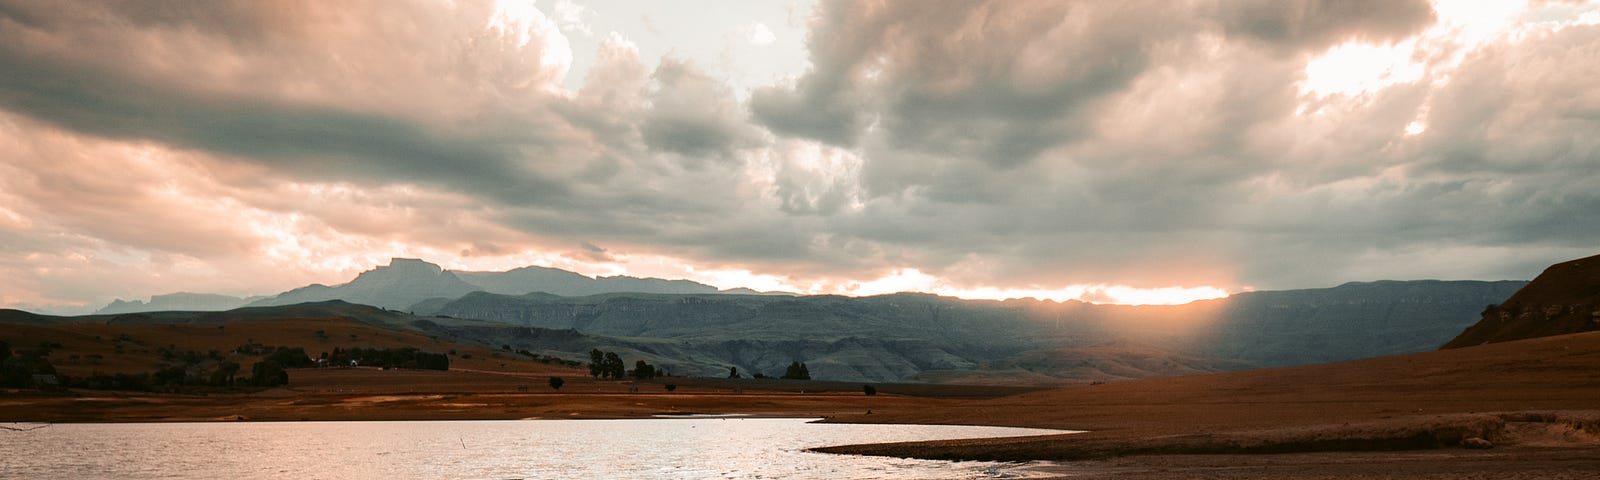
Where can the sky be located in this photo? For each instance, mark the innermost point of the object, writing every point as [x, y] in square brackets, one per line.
[1119, 152]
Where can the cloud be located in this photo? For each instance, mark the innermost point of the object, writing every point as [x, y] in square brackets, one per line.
[1318, 24]
[759, 34]
[986, 146]
[593, 253]
[694, 115]
[1002, 82]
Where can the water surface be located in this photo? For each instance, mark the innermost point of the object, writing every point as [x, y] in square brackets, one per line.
[554, 449]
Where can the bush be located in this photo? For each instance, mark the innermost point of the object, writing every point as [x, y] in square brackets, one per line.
[120, 381]
[17, 371]
[290, 357]
[407, 357]
[869, 390]
[268, 374]
[557, 382]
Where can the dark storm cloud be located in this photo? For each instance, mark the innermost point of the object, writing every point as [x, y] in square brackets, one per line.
[316, 141]
[990, 144]
[1001, 82]
[1314, 24]
[694, 115]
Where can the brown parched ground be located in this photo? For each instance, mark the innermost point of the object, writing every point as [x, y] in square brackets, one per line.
[1536, 402]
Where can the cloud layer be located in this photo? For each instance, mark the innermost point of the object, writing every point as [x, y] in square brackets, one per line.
[977, 147]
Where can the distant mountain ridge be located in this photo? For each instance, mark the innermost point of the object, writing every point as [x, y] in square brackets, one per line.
[403, 282]
[900, 337]
[181, 301]
[926, 337]
[1564, 299]
[407, 281]
[697, 330]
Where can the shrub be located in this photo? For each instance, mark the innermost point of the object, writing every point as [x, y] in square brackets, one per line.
[268, 374]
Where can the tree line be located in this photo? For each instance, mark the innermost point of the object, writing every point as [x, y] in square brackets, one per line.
[610, 365]
[405, 357]
[32, 368]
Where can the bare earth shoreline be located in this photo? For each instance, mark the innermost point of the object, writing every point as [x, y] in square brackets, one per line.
[1536, 401]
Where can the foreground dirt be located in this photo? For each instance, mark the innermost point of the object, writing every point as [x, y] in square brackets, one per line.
[1451, 464]
[1535, 401]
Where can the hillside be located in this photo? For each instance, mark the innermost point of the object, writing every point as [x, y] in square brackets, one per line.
[81, 349]
[929, 338]
[1423, 400]
[1564, 299]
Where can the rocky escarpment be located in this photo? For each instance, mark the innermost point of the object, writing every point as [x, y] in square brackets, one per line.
[1564, 299]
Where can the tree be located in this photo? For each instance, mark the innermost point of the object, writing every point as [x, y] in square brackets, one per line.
[557, 382]
[643, 371]
[223, 375]
[597, 361]
[869, 390]
[796, 371]
[733, 372]
[268, 374]
[615, 369]
[289, 357]
[5, 351]
[171, 376]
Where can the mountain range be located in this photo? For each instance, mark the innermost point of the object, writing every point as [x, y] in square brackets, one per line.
[694, 329]
[406, 281]
[930, 338]
[181, 301]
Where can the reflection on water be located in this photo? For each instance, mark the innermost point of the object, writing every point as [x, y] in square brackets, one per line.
[644, 448]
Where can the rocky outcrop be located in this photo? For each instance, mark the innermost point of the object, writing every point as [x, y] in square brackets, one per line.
[1564, 299]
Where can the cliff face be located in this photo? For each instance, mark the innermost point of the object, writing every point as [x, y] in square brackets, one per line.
[1564, 299]
[910, 336]
[181, 301]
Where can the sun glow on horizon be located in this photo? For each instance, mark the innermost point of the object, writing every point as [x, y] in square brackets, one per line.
[906, 280]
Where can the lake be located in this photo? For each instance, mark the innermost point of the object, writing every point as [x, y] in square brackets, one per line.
[554, 449]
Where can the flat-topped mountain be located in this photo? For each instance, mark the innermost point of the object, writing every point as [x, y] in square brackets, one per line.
[407, 281]
[1564, 299]
[403, 282]
[181, 301]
